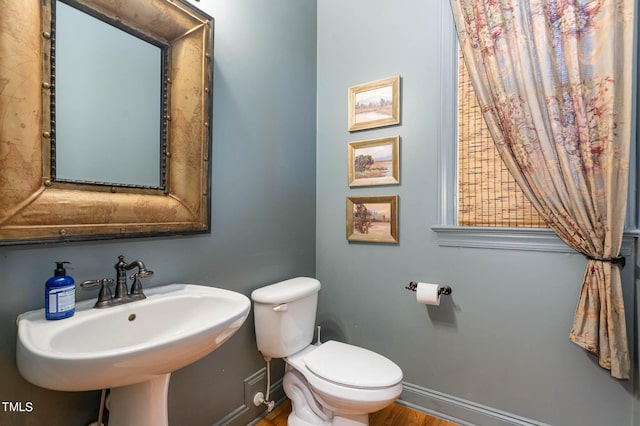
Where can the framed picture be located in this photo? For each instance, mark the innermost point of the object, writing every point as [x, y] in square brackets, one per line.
[373, 219]
[374, 104]
[374, 162]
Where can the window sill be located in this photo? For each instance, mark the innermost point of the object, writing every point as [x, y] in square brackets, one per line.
[531, 239]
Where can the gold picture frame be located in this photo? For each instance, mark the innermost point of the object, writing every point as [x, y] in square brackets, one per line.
[374, 104]
[373, 219]
[374, 162]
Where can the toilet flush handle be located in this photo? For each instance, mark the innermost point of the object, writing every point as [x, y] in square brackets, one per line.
[280, 308]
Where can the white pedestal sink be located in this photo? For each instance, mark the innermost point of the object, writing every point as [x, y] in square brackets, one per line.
[130, 348]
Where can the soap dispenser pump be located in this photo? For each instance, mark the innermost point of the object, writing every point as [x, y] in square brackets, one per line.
[60, 294]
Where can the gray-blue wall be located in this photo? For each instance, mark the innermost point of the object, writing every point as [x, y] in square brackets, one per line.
[501, 340]
[263, 215]
[499, 344]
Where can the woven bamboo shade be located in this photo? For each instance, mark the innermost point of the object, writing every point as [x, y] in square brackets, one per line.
[487, 193]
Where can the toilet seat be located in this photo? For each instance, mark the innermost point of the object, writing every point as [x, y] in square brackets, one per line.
[352, 366]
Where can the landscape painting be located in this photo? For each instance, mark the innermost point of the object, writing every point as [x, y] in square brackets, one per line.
[374, 104]
[373, 219]
[374, 162]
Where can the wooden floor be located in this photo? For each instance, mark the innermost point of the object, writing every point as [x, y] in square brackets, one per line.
[393, 415]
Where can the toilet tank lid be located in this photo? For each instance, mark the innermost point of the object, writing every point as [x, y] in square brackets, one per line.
[286, 291]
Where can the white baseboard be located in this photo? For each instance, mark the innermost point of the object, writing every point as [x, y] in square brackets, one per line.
[458, 410]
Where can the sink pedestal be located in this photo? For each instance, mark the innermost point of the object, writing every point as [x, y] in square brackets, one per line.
[141, 404]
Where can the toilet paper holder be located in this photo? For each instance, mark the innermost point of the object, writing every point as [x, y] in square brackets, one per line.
[445, 289]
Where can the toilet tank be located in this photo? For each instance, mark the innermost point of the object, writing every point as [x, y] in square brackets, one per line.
[284, 315]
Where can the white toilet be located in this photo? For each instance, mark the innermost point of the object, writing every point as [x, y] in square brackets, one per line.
[329, 384]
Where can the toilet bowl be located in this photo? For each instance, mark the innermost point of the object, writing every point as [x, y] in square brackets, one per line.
[333, 383]
[347, 380]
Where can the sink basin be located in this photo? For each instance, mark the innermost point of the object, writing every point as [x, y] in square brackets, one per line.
[139, 342]
[174, 326]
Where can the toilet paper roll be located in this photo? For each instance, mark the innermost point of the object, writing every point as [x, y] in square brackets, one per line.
[428, 294]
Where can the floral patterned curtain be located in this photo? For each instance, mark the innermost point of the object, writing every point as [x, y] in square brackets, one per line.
[554, 80]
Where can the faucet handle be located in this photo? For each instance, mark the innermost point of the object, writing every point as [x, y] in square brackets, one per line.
[105, 292]
[95, 283]
[136, 286]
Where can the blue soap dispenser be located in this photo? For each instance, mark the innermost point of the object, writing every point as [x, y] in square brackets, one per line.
[60, 294]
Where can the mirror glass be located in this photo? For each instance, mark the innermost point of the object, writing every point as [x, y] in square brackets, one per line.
[108, 96]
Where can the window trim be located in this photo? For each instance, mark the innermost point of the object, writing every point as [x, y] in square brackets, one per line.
[449, 234]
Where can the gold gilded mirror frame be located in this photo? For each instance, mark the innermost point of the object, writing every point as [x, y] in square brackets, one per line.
[35, 209]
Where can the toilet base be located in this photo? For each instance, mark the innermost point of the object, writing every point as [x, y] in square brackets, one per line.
[357, 420]
[305, 409]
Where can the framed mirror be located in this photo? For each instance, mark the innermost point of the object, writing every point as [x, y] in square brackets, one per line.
[50, 190]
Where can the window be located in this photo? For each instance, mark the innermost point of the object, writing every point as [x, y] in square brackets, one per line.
[453, 231]
[448, 230]
[487, 193]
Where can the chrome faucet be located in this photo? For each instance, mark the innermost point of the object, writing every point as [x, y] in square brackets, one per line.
[121, 296]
